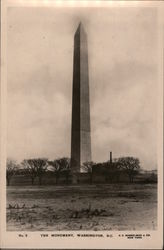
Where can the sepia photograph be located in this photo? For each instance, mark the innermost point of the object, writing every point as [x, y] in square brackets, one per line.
[82, 119]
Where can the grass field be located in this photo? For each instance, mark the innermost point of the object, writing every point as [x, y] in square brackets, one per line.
[84, 207]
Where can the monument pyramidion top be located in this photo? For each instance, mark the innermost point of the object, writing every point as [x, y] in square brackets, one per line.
[80, 29]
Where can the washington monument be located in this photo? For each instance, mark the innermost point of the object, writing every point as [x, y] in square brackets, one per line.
[80, 137]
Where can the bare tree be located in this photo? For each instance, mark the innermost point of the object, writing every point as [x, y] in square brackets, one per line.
[35, 168]
[117, 169]
[130, 165]
[30, 169]
[57, 167]
[65, 166]
[11, 170]
[87, 167]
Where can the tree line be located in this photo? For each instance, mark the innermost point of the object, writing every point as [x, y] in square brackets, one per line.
[37, 167]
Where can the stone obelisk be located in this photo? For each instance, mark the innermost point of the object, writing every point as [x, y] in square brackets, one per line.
[80, 137]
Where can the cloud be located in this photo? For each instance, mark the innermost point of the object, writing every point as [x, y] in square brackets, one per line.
[32, 122]
[122, 49]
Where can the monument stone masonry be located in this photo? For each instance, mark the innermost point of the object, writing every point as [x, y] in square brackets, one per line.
[80, 136]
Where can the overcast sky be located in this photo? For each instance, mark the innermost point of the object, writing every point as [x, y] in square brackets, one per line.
[122, 50]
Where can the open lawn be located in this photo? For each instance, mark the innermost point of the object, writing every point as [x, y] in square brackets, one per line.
[83, 207]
